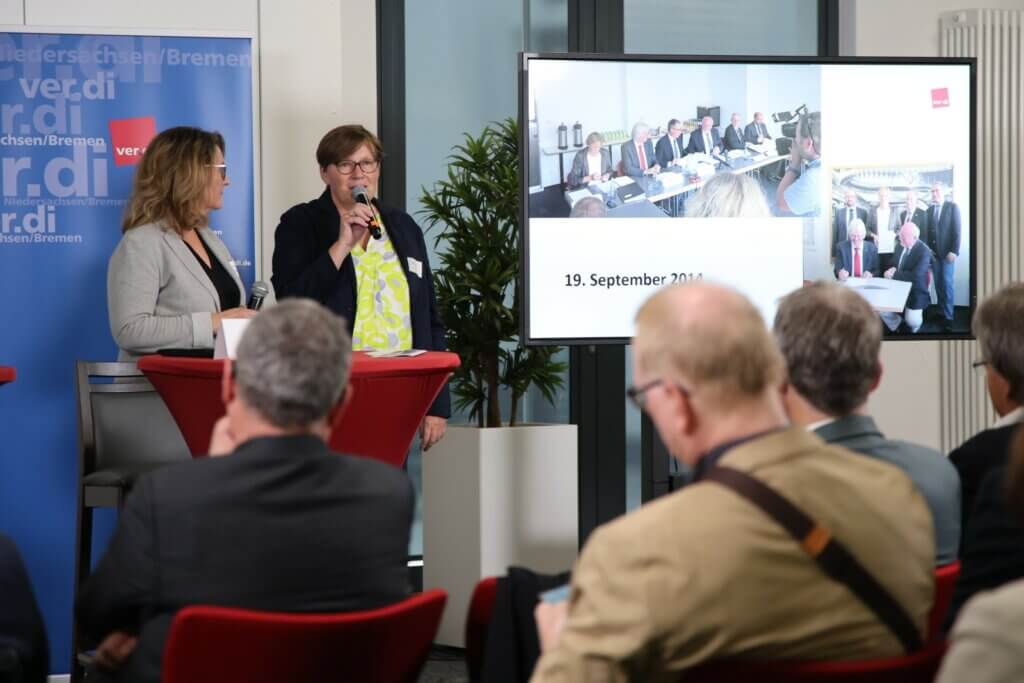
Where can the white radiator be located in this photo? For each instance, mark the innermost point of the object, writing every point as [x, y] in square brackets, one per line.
[994, 37]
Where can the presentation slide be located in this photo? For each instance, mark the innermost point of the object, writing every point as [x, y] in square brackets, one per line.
[761, 176]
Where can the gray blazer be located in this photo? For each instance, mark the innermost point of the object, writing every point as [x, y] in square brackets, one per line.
[931, 471]
[157, 293]
[579, 166]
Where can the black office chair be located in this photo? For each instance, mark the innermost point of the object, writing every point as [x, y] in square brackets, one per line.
[124, 430]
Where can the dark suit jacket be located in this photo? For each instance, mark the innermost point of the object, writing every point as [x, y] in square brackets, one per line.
[631, 160]
[844, 258]
[976, 457]
[918, 218]
[914, 270]
[580, 169]
[664, 150]
[930, 471]
[302, 267]
[750, 133]
[944, 234]
[992, 550]
[281, 524]
[22, 632]
[839, 225]
[696, 143]
[734, 139]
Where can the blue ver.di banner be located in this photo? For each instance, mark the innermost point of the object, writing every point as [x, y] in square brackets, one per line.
[76, 112]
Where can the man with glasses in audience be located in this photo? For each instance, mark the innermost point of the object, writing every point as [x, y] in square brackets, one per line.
[280, 523]
[992, 550]
[830, 339]
[702, 573]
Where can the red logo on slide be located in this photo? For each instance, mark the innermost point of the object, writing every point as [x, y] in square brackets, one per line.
[129, 138]
[940, 97]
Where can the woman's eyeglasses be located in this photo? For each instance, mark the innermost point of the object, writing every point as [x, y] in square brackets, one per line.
[223, 168]
[346, 167]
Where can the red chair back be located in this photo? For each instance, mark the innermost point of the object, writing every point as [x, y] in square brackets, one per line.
[223, 644]
[945, 582]
[478, 621]
[920, 667]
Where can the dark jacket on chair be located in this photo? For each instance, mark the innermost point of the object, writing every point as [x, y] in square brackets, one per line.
[23, 646]
[302, 267]
[281, 524]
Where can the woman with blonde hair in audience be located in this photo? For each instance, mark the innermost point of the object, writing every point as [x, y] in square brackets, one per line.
[729, 195]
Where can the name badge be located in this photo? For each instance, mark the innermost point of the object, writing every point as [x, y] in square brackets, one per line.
[415, 267]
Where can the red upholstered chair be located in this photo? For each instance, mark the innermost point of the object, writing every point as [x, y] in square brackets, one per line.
[222, 644]
[945, 582]
[478, 620]
[919, 667]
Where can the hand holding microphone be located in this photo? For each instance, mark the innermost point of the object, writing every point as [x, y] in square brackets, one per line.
[257, 294]
[361, 196]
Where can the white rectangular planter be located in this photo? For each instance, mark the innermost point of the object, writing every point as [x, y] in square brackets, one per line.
[493, 498]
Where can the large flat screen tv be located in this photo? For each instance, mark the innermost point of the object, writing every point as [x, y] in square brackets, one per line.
[763, 174]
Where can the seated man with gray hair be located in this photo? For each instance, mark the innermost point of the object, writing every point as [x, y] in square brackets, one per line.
[830, 338]
[279, 523]
[854, 256]
[913, 262]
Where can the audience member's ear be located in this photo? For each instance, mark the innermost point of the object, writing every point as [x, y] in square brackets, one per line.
[999, 391]
[878, 378]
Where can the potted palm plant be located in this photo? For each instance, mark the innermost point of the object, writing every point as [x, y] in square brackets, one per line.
[495, 493]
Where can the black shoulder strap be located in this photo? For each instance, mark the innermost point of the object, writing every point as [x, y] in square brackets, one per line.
[831, 556]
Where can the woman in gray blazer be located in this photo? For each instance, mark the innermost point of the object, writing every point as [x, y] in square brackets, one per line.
[591, 164]
[171, 280]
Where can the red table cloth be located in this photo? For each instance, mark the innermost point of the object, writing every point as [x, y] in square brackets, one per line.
[390, 396]
[7, 374]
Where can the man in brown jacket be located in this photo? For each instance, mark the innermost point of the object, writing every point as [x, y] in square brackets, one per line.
[702, 573]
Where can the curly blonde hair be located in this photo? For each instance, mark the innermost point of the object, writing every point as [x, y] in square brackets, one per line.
[172, 179]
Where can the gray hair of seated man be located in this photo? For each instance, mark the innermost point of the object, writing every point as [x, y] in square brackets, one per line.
[589, 207]
[292, 363]
[830, 339]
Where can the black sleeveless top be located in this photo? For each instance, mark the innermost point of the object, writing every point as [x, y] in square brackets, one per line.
[222, 281]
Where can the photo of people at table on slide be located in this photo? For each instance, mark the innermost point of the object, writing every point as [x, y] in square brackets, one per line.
[802, 152]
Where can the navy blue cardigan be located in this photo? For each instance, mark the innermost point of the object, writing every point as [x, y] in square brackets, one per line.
[302, 267]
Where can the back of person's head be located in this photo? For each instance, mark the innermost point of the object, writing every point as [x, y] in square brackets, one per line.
[341, 142]
[588, 207]
[830, 338]
[999, 328]
[728, 195]
[172, 180]
[712, 341]
[292, 363]
[810, 127]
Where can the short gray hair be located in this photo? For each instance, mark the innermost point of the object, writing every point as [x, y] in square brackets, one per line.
[729, 195]
[293, 363]
[830, 338]
[857, 225]
[999, 327]
[639, 127]
[589, 207]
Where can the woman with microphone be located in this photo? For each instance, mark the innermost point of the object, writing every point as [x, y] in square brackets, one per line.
[171, 280]
[366, 263]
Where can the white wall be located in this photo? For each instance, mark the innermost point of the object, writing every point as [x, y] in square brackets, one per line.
[316, 62]
[907, 404]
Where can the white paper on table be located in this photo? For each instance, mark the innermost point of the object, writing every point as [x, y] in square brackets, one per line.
[576, 195]
[231, 330]
[671, 179]
[886, 241]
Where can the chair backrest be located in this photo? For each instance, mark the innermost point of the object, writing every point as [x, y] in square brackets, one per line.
[222, 644]
[945, 582]
[919, 667]
[478, 622]
[122, 421]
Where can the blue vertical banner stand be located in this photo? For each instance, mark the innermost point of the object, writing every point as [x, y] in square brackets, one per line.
[76, 113]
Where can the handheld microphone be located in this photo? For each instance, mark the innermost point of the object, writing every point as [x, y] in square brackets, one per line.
[360, 195]
[257, 294]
